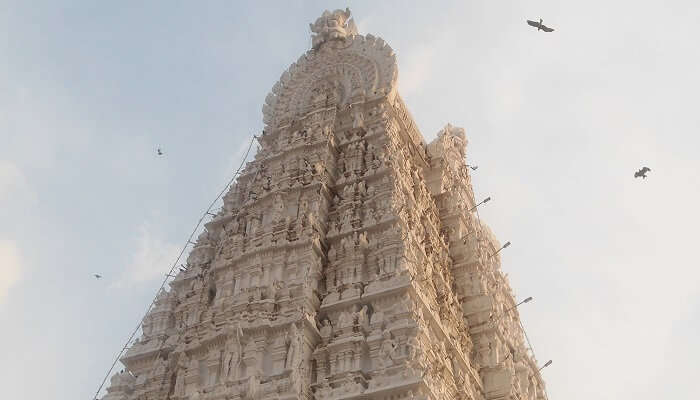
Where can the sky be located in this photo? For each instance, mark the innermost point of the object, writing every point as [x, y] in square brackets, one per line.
[557, 123]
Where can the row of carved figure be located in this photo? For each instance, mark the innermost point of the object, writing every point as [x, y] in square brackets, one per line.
[342, 253]
[486, 295]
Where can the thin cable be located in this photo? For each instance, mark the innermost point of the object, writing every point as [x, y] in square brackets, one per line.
[532, 350]
[162, 285]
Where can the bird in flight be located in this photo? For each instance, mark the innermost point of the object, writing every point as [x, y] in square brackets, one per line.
[160, 153]
[473, 167]
[539, 25]
[98, 276]
[642, 173]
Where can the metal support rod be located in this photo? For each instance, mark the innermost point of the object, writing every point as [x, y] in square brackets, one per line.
[547, 364]
[502, 247]
[486, 200]
[512, 308]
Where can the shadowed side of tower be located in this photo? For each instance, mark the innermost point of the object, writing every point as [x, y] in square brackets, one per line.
[344, 264]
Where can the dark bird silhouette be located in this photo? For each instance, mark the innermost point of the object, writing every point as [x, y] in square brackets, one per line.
[539, 25]
[98, 276]
[473, 167]
[642, 173]
[160, 153]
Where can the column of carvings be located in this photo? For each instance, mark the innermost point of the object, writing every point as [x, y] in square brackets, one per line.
[506, 367]
[443, 334]
[362, 275]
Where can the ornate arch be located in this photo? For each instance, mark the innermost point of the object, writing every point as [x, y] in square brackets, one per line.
[341, 71]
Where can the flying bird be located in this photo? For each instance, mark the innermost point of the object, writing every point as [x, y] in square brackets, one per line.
[473, 167]
[642, 172]
[539, 25]
[160, 153]
[98, 276]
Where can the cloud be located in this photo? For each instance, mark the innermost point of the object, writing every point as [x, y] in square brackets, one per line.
[152, 259]
[417, 68]
[15, 195]
[10, 267]
[420, 63]
[13, 183]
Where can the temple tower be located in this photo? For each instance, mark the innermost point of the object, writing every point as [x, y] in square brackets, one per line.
[345, 262]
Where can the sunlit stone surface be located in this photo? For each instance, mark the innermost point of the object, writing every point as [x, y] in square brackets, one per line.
[345, 263]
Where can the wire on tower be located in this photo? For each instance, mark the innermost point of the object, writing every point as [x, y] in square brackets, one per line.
[170, 272]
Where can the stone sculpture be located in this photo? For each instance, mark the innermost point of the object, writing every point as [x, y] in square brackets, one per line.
[332, 25]
[291, 342]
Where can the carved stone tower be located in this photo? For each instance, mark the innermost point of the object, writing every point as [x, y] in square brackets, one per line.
[345, 263]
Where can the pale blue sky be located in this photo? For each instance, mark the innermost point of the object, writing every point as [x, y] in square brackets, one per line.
[557, 123]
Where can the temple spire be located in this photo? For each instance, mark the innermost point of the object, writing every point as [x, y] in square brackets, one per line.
[345, 263]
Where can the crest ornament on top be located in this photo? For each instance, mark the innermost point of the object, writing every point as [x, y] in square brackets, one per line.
[331, 26]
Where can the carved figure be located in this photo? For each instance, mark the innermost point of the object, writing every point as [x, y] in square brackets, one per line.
[344, 320]
[369, 155]
[193, 367]
[292, 342]
[363, 318]
[326, 329]
[330, 26]
[362, 188]
[414, 350]
[232, 354]
[214, 365]
[386, 350]
[377, 318]
[277, 208]
[251, 355]
[182, 364]
[358, 120]
[161, 366]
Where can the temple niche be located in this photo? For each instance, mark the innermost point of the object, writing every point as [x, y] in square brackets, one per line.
[344, 263]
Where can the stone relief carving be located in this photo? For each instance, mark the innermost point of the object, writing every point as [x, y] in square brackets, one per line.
[332, 25]
[292, 344]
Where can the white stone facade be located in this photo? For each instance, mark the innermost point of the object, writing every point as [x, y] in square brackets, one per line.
[344, 264]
